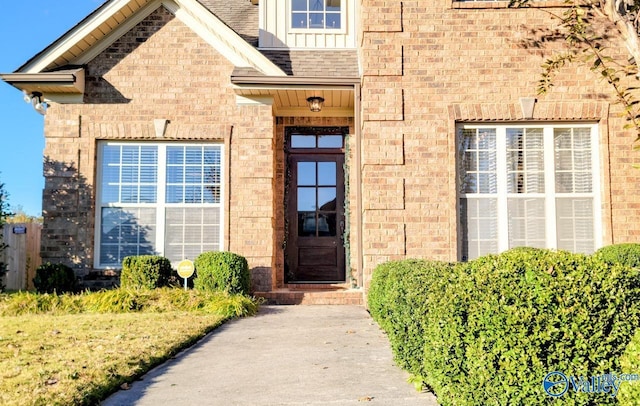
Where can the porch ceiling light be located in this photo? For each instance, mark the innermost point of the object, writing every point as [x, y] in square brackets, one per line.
[315, 103]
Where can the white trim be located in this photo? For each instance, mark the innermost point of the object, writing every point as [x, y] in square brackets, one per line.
[211, 29]
[597, 187]
[161, 195]
[551, 230]
[501, 195]
[97, 206]
[254, 100]
[340, 31]
[204, 23]
[64, 98]
[305, 112]
[74, 36]
[114, 35]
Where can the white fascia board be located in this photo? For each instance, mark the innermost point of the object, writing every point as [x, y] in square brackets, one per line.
[208, 26]
[64, 98]
[304, 112]
[221, 37]
[254, 100]
[73, 37]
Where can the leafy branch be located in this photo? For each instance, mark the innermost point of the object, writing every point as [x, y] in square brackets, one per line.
[587, 26]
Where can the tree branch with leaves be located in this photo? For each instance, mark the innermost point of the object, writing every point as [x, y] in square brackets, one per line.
[589, 27]
[4, 213]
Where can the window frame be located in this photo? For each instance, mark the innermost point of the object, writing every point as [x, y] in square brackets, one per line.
[550, 195]
[161, 204]
[297, 30]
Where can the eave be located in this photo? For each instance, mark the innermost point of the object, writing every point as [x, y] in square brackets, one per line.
[288, 95]
[262, 82]
[63, 86]
[116, 17]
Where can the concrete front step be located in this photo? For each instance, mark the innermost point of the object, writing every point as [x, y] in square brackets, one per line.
[313, 297]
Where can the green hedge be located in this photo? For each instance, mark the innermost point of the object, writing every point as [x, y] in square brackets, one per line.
[398, 298]
[630, 364]
[494, 327]
[57, 278]
[627, 254]
[147, 272]
[222, 271]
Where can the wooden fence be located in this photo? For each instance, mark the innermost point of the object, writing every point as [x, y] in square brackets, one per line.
[23, 254]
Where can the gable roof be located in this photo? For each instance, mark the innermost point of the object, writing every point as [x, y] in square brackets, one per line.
[229, 26]
[115, 17]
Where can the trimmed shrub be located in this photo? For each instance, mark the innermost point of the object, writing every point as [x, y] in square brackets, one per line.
[222, 271]
[512, 318]
[630, 364]
[147, 272]
[627, 254]
[398, 299]
[52, 278]
[493, 328]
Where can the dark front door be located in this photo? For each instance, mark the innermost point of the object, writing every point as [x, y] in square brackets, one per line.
[315, 211]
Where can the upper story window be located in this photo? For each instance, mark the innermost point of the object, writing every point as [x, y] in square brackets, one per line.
[316, 14]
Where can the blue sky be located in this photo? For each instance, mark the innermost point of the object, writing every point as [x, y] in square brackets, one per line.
[26, 28]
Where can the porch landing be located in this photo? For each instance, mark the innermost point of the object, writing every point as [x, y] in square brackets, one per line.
[313, 294]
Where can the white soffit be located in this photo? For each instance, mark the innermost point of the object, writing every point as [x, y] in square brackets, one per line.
[77, 34]
[190, 12]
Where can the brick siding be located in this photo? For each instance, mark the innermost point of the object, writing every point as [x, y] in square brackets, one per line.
[461, 65]
[159, 70]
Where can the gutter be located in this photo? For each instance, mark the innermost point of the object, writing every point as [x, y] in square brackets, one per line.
[70, 81]
[294, 80]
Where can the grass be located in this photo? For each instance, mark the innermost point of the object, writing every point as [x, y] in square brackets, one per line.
[77, 349]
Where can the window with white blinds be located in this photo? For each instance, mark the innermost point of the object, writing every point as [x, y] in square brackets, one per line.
[534, 186]
[158, 198]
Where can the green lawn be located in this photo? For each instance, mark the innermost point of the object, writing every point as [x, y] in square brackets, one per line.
[58, 358]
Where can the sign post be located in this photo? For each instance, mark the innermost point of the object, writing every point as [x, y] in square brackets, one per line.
[185, 270]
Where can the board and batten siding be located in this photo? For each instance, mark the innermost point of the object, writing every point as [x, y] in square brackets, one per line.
[276, 32]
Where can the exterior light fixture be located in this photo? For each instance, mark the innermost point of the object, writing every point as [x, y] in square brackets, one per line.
[315, 103]
[35, 98]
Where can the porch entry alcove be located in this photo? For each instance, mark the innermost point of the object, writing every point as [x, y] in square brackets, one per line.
[314, 205]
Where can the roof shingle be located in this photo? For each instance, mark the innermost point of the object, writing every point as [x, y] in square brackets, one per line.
[321, 63]
[239, 15]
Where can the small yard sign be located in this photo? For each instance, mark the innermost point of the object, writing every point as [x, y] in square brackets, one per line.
[185, 270]
[20, 230]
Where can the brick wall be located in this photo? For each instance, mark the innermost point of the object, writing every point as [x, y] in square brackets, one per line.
[427, 65]
[159, 70]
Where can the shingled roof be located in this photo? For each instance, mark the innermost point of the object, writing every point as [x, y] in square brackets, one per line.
[239, 15]
[323, 62]
[242, 17]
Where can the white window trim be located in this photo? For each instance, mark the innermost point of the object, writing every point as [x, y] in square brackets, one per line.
[343, 22]
[160, 204]
[550, 195]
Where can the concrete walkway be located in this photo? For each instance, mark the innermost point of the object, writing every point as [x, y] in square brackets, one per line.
[286, 355]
